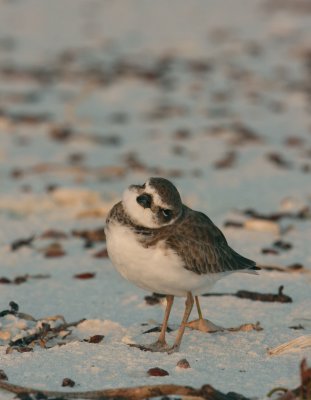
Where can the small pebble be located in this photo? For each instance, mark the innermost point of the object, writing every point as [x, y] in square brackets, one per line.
[157, 372]
[101, 253]
[54, 250]
[155, 298]
[53, 234]
[295, 266]
[280, 244]
[269, 251]
[96, 339]
[3, 376]
[233, 224]
[183, 363]
[68, 382]
[85, 275]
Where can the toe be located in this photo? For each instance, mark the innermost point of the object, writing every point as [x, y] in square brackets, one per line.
[173, 349]
[204, 325]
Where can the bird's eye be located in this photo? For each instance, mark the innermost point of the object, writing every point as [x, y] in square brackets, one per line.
[167, 214]
[144, 200]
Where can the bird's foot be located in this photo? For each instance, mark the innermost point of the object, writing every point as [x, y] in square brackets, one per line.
[204, 325]
[173, 349]
[158, 346]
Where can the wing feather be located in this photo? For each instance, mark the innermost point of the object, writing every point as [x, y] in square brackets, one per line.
[201, 245]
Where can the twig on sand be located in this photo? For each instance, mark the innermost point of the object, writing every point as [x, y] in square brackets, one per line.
[134, 393]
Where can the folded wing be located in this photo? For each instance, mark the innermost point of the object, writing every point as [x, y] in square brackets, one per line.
[203, 247]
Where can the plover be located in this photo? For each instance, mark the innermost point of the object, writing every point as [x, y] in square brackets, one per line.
[163, 246]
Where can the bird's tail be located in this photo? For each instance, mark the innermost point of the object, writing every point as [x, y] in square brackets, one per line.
[246, 265]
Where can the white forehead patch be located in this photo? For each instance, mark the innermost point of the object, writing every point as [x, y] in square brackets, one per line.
[155, 195]
[141, 216]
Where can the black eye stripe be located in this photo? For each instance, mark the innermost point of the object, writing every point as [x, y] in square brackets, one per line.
[144, 200]
[167, 213]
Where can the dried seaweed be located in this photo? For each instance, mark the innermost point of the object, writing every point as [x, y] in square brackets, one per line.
[54, 234]
[25, 242]
[227, 161]
[233, 224]
[282, 245]
[279, 297]
[296, 267]
[154, 299]
[14, 310]
[22, 279]
[45, 334]
[256, 296]
[90, 236]
[101, 173]
[28, 118]
[244, 134]
[302, 392]
[303, 213]
[44, 330]
[279, 160]
[296, 327]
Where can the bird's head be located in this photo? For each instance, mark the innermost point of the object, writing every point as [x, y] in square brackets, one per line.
[154, 204]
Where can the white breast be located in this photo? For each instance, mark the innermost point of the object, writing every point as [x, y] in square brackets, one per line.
[157, 268]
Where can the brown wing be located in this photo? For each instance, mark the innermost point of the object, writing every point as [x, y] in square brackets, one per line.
[203, 247]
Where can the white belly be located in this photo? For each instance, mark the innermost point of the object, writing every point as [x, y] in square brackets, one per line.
[156, 269]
